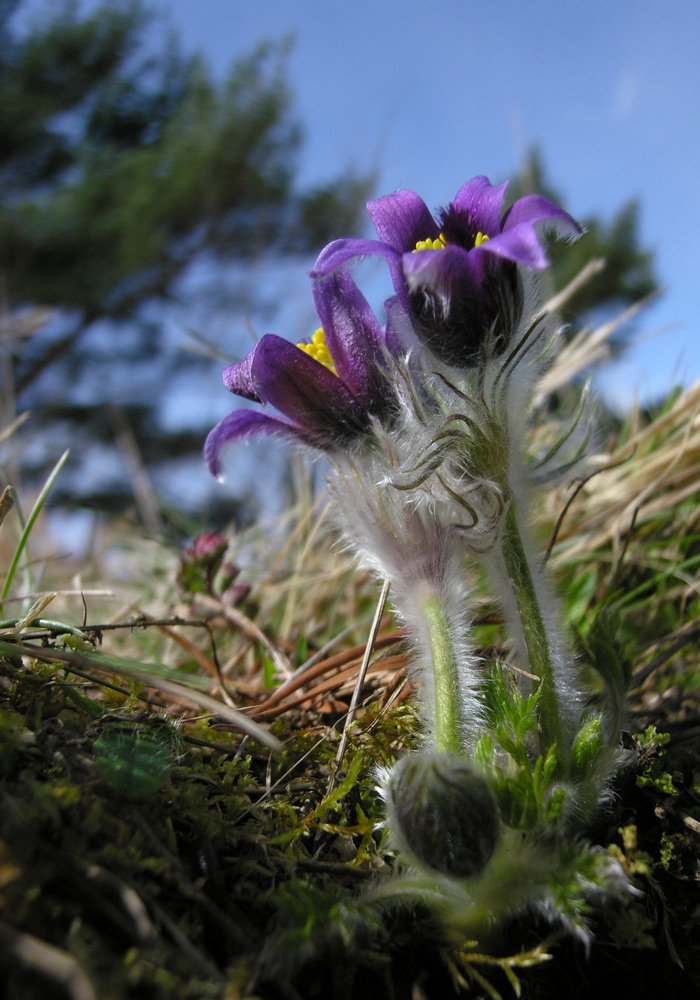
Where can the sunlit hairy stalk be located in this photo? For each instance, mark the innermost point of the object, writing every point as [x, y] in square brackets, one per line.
[421, 557]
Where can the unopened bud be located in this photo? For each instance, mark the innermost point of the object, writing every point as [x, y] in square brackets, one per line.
[443, 812]
[207, 548]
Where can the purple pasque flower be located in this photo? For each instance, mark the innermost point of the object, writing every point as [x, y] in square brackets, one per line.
[459, 279]
[327, 390]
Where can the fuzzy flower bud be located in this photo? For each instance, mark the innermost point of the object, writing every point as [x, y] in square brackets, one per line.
[200, 562]
[443, 813]
[206, 549]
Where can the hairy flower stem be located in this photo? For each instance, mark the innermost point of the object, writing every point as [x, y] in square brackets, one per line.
[445, 670]
[534, 631]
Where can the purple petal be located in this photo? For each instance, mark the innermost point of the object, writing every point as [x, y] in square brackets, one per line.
[353, 334]
[402, 219]
[480, 201]
[243, 424]
[445, 270]
[534, 208]
[520, 244]
[238, 378]
[340, 251]
[305, 390]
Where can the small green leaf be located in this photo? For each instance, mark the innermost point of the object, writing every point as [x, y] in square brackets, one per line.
[269, 671]
[346, 785]
[135, 763]
[588, 746]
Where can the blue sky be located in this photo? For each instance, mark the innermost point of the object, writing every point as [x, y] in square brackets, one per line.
[431, 93]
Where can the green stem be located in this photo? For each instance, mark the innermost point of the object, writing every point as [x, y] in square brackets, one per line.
[447, 704]
[533, 629]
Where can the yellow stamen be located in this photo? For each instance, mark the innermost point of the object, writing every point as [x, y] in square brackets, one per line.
[318, 350]
[480, 238]
[437, 244]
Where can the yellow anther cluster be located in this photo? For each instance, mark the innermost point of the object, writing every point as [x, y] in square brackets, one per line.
[318, 350]
[438, 244]
[480, 238]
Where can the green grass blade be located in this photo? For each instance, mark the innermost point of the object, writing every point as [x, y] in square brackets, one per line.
[30, 523]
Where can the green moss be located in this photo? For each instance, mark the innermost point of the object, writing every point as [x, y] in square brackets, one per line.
[13, 736]
[653, 775]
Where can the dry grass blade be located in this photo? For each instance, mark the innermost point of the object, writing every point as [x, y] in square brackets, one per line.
[589, 347]
[142, 489]
[248, 628]
[6, 503]
[33, 613]
[7, 433]
[381, 604]
[331, 663]
[209, 704]
[586, 274]
[55, 966]
[337, 684]
[650, 473]
[152, 676]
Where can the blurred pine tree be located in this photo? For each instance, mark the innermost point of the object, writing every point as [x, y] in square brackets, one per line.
[628, 274]
[119, 168]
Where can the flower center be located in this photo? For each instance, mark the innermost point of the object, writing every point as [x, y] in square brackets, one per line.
[438, 244]
[318, 350]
